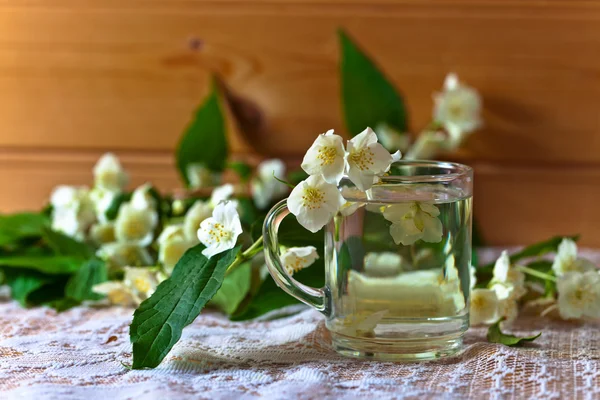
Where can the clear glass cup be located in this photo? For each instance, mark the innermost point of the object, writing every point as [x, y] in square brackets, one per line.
[397, 264]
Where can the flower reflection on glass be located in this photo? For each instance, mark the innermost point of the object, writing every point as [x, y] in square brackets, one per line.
[296, 259]
[414, 221]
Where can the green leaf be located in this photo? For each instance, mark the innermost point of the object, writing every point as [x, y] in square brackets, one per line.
[351, 254]
[204, 141]
[545, 267]
[270, 297]
[79, 287]
[23, 283]
[113, 209]
[64, 245]
[242, 169]
[292, 234]
[48, 264]
[158, 321]
[63, 304]
[234, 289]
[368, 97]
[495, 335]
[15, 227]
[50, 294]
[248, 212]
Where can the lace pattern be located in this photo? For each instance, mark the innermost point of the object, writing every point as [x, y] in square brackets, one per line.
[78, 354]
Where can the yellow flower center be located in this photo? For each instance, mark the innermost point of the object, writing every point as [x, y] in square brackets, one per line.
[219, 233]
[327, 155]
[363, 159]
[118, 297]
[312, 198]
[136, 228]
[478, 302]
[583, 295]
[141, 285]
[297, 264]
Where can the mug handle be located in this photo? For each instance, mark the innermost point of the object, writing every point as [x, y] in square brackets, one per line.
[313, 297]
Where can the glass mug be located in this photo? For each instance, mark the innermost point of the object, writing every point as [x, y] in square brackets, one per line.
[397, 264]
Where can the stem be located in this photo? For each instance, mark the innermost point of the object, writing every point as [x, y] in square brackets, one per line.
[413, 255]
[250, 252]
[337, 221]
[533, 272]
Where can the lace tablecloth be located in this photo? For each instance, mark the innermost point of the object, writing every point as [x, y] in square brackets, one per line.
[79, 354]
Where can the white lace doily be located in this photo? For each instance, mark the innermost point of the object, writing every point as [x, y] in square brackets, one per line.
[78, 354]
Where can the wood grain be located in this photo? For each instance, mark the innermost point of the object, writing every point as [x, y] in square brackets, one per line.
[78, 78]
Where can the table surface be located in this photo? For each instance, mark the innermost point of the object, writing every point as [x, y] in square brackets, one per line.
[79, 354]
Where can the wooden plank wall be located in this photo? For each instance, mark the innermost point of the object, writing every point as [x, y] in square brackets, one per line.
[78, 78]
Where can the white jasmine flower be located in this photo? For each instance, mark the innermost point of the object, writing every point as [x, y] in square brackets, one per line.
[142, 197]
[219, 232]
[200, 177]
[385, 263]
[349, 208]
[64, 196]
[221, 193]
[108, 173]
[566, 259]
[314, 202]
[414, 221]
[265, 188]
[472, 277]
[102, 200]
[458, 109]
[72, 211]
[509, 285]
[326, 157]
[366, 159]
[484, 307]
[197, 213]
[137, 285]
[579, 295]
[172, 243]
[501, 267]
[361, 323]
[296, 259]
[449, 283]
[392, 139]
[508, 308]
[116, 293]
[142, 281]
[102, 233]
[119, 255]
[134, 225]
[508, 281]
[427, 146]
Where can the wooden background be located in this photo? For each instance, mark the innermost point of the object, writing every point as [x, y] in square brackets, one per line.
[78, 78]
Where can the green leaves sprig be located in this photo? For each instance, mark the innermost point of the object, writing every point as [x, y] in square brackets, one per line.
[42, 266]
